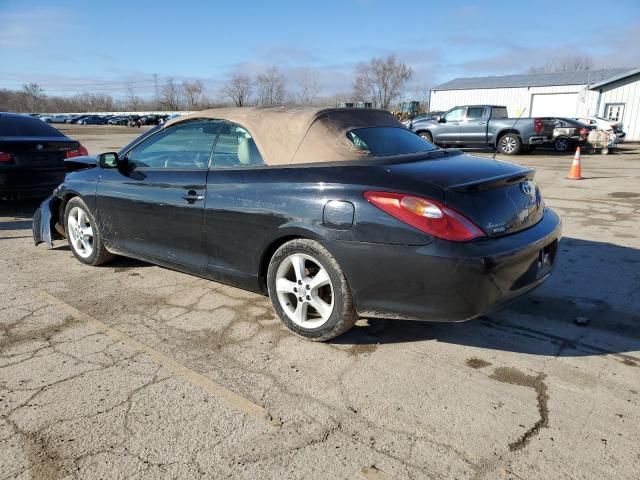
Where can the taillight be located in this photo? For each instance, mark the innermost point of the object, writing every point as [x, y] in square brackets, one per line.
[6, 157]
[79, 152]
[537, 125]
[428, 216]
[614, 127]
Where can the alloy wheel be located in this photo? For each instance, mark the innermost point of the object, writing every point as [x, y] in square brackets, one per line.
[562, 144]
[304, 290]
[507, 144]
[80, 232]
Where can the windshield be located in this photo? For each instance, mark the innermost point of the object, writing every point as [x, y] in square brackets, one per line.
[385, 141]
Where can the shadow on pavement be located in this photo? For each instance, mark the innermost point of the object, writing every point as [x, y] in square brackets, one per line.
[19, 213]
[544, 322]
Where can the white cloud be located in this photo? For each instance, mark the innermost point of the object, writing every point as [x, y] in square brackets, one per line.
[25, 29]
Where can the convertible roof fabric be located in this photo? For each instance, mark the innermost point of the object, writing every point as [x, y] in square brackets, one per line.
[298, 135]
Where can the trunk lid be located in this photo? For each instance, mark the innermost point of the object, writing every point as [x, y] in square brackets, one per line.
[38, 151]
[499, 197]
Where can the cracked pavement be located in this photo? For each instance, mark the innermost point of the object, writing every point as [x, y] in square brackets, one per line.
[132, 371]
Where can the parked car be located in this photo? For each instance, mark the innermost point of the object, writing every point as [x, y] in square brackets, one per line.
[568, 133]
[429, 116]
[486, 125]
[32, 155]
[92, 120]
[606, 125]
[334, 213]
[77, 119]
[54, 118]
[117, 120]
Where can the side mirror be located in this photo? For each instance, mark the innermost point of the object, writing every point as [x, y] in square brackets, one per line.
[108, 160]
[442, 120]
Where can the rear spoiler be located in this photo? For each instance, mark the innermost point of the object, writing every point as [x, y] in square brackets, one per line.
[493, 182]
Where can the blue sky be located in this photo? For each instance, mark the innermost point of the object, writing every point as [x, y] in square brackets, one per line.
[71, 46]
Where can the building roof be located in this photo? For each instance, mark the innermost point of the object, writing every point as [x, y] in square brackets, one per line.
[295, 135]
[615, 78]
[587, 77]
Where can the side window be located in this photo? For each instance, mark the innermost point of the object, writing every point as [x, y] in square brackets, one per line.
[499, 112]
[454, 115]
[186, 146]
[475, 113]
[235, 148]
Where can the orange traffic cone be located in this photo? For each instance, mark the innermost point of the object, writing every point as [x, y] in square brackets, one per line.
[575, 172]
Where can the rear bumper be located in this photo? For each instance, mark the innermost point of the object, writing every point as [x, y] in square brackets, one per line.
[30, 181]
[538, 140]
[447, 281]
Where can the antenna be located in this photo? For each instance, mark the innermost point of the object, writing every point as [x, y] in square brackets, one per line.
[512, 126]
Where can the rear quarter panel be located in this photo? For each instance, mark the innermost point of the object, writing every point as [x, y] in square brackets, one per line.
[249, 210]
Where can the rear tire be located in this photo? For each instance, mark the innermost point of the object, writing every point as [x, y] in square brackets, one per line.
[83, 235]
[427, 136]
[309, 292]
[509, 144]
[562, 144]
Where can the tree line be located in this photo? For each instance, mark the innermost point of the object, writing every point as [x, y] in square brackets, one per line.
[380, 81]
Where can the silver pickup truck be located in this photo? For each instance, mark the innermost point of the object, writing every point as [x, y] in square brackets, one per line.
[486, 125]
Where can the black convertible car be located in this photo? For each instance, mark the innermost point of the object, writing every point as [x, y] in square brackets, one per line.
[334, 213]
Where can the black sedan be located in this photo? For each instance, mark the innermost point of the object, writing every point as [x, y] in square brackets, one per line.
[336, 214]
[32, 155]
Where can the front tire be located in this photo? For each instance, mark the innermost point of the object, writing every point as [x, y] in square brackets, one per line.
[83, 235]
[309, 291]
[509, 144]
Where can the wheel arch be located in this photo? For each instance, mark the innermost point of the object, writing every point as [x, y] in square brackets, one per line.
[502, 133]
[64, 200]
[424, 130]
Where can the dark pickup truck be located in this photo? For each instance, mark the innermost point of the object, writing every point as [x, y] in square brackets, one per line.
[486, 125]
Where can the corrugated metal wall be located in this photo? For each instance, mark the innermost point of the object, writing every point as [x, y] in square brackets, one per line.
[517, 100]
[625, 91]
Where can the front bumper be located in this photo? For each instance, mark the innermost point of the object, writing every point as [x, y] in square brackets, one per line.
[44, 222]
[448, 281]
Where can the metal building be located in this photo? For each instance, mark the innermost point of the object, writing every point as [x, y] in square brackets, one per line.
[611, 93]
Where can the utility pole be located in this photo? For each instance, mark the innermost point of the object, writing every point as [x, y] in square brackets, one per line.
[155, 84]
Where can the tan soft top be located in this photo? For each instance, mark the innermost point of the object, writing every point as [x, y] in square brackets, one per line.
[287, 136]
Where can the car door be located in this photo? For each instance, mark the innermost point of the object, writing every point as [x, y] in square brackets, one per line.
[448, 130]
[473, 129]
[154, 206]
[235, 207]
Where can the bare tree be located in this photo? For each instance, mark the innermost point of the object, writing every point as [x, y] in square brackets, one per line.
[133, 99]
[271, 87]
[34, 96]
[193, 93]
[570, 63]
[170, 95]
[380, 80]
[308, 86]
[238, 89]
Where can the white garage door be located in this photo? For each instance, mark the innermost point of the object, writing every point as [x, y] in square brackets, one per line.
[554, 105]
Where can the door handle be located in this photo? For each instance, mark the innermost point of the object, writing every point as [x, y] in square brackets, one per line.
[192, 196]
[481, 123]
